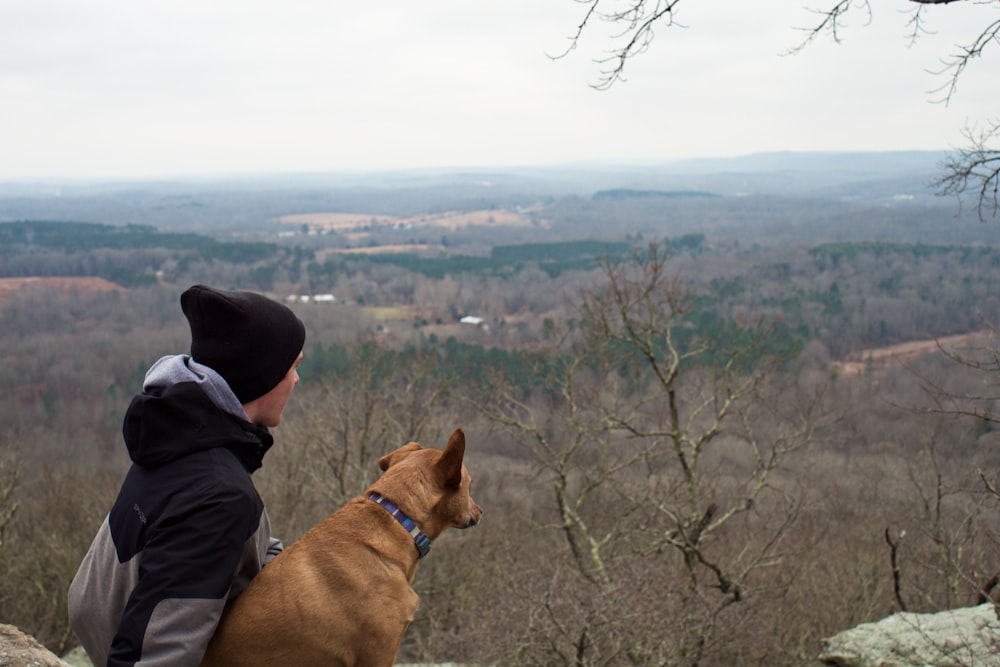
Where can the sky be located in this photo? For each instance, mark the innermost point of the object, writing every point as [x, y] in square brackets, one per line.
[133, 89]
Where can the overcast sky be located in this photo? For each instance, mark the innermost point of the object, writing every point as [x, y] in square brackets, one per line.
[153, 88]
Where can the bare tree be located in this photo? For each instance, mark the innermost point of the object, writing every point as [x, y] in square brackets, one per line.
[676, 421]
[952, 516]
[975, 169]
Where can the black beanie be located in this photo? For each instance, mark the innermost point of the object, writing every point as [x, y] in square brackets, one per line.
[248, 339]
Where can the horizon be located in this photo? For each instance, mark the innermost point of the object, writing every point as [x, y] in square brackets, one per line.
[583, 167]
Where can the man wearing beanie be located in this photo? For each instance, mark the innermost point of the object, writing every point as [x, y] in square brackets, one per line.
[188, 530]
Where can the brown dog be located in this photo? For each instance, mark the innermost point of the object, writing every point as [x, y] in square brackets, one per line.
[340, 595]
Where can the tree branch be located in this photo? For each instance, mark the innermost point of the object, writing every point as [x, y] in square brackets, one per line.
[894, 561]
[638, 20]
[975, 169]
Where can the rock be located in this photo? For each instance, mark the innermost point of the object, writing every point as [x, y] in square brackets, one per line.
[953, 638]
[20, 650]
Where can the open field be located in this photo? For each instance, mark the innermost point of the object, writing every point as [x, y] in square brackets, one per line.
[9, 286]
[338, 222]
[883, 357]
[450, 220]
[374, 250]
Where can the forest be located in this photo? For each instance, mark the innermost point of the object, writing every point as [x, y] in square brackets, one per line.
[677, 461]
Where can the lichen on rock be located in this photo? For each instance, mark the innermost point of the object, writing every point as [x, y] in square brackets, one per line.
[969, 636]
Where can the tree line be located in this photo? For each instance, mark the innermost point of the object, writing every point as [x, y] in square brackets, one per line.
[846, 295]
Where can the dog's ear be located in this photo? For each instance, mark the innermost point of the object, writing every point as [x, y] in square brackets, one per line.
[450, 463]
[392, 458]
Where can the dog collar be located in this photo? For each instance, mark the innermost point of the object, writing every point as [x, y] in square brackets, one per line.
[421, 540]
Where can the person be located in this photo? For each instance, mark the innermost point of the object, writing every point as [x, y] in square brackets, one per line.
[188, 529]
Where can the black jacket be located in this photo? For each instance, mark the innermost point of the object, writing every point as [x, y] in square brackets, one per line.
[185, 536]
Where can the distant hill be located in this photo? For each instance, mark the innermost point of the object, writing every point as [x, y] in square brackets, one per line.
[856, 163]
[625, 193]
[899, 178]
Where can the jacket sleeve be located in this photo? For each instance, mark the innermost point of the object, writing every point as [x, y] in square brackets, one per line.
[185, 574]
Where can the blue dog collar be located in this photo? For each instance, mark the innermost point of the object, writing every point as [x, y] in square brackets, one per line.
[421, 540]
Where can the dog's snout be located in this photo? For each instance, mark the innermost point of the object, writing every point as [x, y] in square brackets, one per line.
[474, 517]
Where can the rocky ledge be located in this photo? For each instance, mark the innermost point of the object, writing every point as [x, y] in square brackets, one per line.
[20, 650]
[964, 637]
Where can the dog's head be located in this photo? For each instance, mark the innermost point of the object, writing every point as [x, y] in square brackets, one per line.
[431, 485]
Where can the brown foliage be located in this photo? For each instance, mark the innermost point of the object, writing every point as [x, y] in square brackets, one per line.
[513, 591]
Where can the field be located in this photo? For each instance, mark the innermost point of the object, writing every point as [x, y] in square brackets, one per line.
[374, 250]
[9, 286]
[883, 357]
[449, 220]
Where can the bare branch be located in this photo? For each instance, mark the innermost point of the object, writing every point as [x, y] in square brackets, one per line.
[637, 22]
[831, 22]
[975, 169]
[955, 65]
[990, 487]
[894, 561]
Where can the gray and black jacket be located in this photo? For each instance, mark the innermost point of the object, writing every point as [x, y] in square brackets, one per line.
[188, 530]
